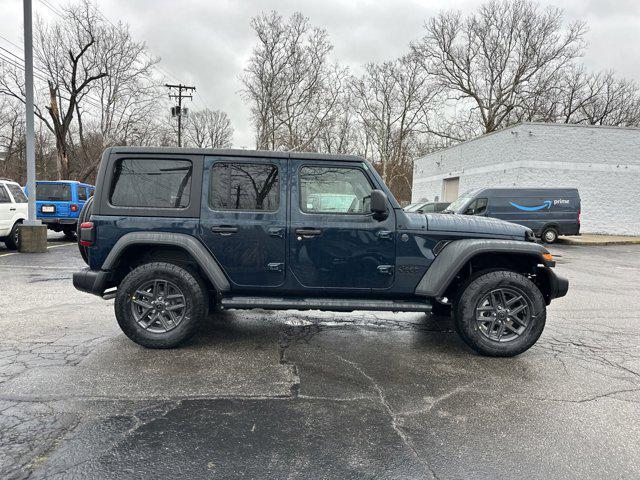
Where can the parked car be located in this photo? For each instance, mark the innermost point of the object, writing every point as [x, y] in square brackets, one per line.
[58, 204]
[13, 211]
[426, 207]
[549, 212]
[175, 233]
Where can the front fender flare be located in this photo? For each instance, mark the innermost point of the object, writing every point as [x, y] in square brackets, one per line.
[458, 252]
[192, 245]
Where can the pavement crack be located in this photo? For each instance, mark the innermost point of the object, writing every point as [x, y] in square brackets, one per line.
[406, 439]
[437, 400]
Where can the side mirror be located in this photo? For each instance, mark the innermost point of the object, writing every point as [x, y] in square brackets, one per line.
[379, 205]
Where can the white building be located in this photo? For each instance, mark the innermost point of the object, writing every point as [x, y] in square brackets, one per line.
[603, 163]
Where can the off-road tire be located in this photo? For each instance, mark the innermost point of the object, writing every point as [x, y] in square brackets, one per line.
[69, 232]
[13, 240]
[195, 299]
[549, 235]
[85, 215]
[473, 293]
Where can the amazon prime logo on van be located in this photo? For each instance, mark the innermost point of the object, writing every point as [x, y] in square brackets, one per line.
[545, 205]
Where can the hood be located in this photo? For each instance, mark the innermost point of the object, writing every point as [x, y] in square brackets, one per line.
[440, 222]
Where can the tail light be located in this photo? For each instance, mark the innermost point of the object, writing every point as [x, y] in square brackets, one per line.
[87, 234]
[579, 212]
[74, 207]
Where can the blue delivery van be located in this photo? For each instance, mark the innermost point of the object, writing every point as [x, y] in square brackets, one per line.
[58, 204]
[549, 212]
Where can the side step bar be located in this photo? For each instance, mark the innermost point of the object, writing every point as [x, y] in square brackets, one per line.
[326, 304]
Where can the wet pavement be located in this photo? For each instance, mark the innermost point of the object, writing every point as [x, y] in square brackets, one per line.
[317, 395]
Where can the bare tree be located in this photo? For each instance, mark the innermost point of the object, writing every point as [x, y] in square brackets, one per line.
[609, 101]
[123, 103]
[69, 52]
[508, 51]
[209, 129]
[392, 102]
[289, 83]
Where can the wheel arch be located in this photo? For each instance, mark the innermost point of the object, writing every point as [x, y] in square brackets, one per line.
[143, 247]
[461, 259]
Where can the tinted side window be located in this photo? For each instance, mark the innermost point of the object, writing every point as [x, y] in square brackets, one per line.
[428, 208]
[477, 207]
[244, 186]
[334, 190]
[18, 194]
[4, 196]
[82, 194]
[151, 183]
[481, 206]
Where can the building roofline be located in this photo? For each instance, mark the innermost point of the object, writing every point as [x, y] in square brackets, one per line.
[236, 153]
[523, 124]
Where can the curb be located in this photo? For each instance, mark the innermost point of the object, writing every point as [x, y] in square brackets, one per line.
[595, 242]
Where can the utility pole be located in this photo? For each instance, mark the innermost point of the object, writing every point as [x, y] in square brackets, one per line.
[178, 111]
[32, 234]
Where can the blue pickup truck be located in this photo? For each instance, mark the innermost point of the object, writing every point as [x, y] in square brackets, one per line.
[173, 234]
[59, 203]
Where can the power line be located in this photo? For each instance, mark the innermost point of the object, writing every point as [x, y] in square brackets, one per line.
[13, 63]
[52, 8]
[90, 100]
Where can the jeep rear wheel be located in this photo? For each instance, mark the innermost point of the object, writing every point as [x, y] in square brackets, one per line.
[500, 314]
[160, 305]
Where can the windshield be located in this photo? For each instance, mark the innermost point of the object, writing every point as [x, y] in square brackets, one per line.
[458, 203]
[413, 207]
[53, 192]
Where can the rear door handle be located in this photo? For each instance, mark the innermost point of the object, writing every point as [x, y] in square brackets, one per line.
[384, 234]
[224, 230]
[276, 232]
[12, 209]
[308, 232]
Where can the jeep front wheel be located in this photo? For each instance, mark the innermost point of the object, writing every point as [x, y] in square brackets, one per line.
[500, 314]
[160, 305]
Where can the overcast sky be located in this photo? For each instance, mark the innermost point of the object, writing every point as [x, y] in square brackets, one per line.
[207, 42]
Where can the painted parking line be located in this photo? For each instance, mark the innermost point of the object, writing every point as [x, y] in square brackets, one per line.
[48, 247]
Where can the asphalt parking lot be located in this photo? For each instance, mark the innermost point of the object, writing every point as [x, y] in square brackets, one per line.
[317, 395]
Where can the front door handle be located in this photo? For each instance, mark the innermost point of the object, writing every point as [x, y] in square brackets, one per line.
[12, 209]
[224, 230]
[385, 269]
[308, 232]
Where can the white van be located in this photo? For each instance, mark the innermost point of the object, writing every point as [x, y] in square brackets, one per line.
[13, 211]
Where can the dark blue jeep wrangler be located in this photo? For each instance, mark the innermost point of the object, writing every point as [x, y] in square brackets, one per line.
[175, 233]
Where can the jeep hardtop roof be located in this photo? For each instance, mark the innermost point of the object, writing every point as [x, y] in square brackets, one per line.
[64, 181]
[235, 153]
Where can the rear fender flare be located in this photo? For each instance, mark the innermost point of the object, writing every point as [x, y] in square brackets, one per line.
[457, 253]
[205, 260]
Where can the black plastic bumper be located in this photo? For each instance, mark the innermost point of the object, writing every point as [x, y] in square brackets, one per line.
[559, 285]
[61, 221]
[90, 281]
